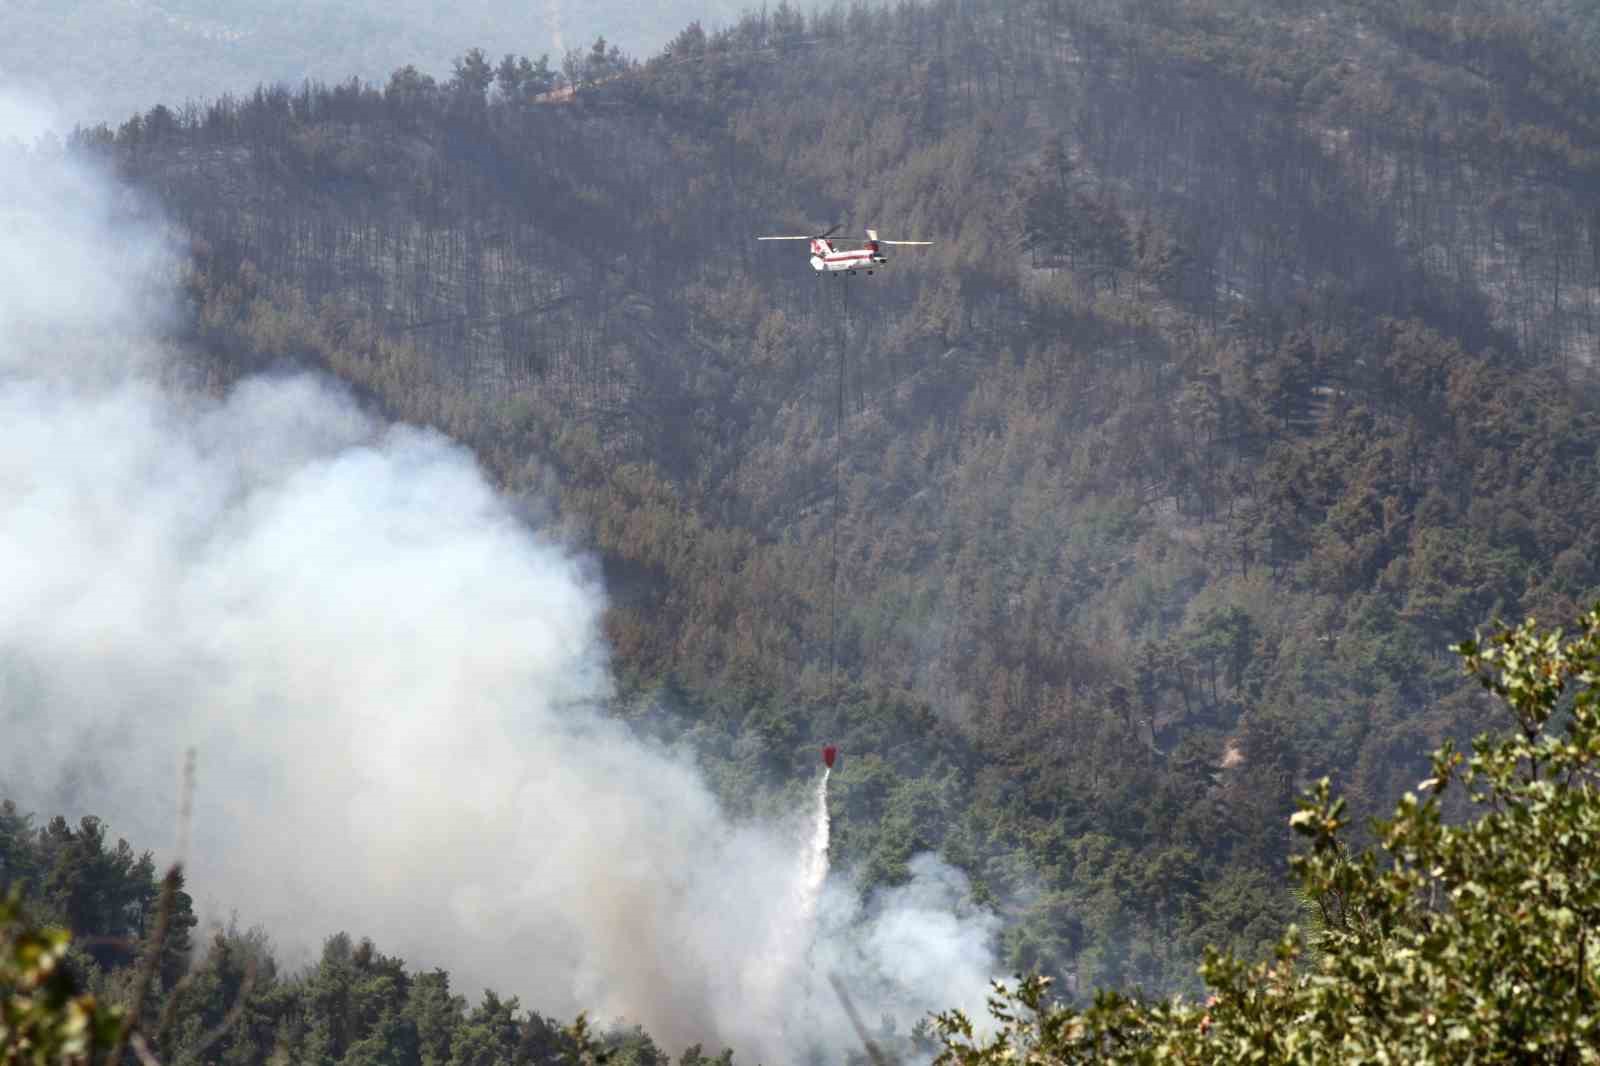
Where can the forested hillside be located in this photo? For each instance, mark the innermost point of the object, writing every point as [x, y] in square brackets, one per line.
[226, 995]
[1252, 365]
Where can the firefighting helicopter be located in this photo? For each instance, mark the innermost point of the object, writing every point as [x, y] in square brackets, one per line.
[826, 258]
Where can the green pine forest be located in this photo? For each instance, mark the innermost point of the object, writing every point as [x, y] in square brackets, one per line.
[1252, 367]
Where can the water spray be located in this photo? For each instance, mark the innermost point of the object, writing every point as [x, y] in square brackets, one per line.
[815, 870]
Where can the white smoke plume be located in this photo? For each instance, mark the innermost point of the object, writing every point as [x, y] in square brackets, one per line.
[390, 680]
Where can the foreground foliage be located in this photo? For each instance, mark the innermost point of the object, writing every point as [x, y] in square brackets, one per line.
[45, 1015]
[1471, 942]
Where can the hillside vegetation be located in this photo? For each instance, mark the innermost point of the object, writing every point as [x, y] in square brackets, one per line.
[1253, 364]
[101, 961]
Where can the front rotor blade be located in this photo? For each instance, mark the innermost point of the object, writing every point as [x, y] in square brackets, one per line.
[905, 242]
[803, 238]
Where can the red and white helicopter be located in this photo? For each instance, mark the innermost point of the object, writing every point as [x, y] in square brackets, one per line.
[826, 258]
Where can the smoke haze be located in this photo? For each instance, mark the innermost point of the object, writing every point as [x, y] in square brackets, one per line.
[391, 682]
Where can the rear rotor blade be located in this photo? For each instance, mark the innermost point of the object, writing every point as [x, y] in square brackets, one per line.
[905, 242]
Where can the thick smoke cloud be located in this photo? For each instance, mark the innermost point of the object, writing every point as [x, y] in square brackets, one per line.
[390, 680]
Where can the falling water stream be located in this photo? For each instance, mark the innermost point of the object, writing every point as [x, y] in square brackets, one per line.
[770, 981]
[814, 871]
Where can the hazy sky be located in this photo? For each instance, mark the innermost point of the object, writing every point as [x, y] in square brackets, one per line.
[102, 60]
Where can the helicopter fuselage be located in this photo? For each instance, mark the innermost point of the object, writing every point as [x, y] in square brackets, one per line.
[824, 257]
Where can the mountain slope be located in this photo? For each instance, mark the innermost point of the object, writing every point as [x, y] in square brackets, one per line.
[1251, 366]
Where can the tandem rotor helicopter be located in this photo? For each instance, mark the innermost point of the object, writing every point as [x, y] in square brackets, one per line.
[827, 259]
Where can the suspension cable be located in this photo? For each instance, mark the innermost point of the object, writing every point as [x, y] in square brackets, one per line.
[833, 569]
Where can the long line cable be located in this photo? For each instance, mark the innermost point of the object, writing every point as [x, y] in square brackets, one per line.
[838, 456]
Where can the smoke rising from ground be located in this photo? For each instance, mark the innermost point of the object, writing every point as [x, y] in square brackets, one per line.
[390, 681]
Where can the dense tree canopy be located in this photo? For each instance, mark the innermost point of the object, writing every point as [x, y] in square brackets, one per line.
[64, 1000]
